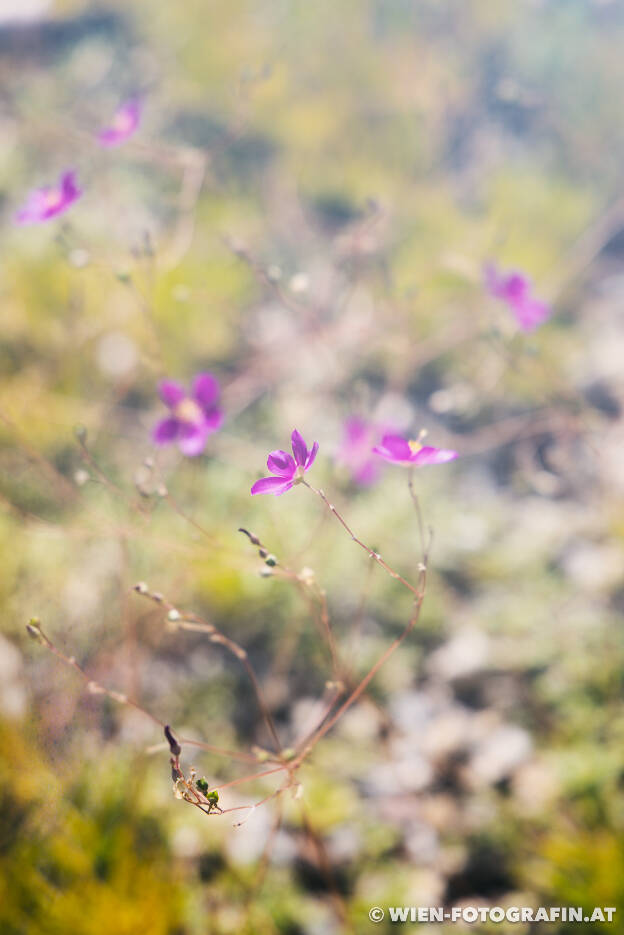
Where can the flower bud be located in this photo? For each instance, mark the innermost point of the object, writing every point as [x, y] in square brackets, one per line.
[34, 631]
[174, 746]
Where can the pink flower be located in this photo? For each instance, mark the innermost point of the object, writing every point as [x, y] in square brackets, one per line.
[399, 450]
[289, 470]
[355, 450]
[514, 288]
[124, 124]
[48, 202]
[193, 418]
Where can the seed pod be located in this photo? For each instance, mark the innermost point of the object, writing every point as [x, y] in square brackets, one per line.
[174, 746]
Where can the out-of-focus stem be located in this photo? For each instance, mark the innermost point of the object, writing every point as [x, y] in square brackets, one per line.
[93, 686]
[357, 691]
[97, 689]
[195, 623]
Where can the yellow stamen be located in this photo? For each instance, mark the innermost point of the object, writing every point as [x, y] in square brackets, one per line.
[416, 444]
[188, 411]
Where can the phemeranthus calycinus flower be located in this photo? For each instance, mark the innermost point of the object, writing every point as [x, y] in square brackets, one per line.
[45, 203]
[515, 290]
[399, 450]
[123, 125]
[193, 417]
[288, 469]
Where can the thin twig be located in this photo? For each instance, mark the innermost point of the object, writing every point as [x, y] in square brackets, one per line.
[374, 555]
[191, 621]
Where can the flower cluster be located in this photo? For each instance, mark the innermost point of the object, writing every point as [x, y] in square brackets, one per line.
[194, 416]
[290, 469]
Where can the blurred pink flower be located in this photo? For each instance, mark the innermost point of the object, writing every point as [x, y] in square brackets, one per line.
[399, 450]
[355, 451]
[514, 289]
[45, 203]
[124, 124]
[193, 418]
[289, 470]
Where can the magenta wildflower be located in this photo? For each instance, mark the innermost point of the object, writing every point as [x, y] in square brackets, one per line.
[355, 450]
[514, 289]
[124, 124]
[193, 418]
[399, 450]
[288, 470]
[45, 203]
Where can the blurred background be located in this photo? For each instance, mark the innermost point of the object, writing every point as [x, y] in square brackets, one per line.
[305, 211]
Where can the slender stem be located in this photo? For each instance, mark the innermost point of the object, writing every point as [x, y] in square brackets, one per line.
[425, 544]
[374, 555]
[220, 751]
[97, 689]
[195, 623]
[188, 519]
[308, 590]
[326, 868]
[241, 779]
[63, 487]
[337, 692]
[94, 687]
[252, 808]
[355, 694]
[263, 864]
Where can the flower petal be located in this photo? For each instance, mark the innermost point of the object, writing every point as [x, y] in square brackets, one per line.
[311, 456]
[69, 187]
[281, 463]
[394, 448]
[367, 473]
[124, 124]
[213, 420]
[205, 390]
[430, 455]
[171, 393]
[510, 287]
[193, 439]
[45, 203]
[355, 430]
[299, 447]
[166, 431]
[274, 485]
[515, 287]
[531, 313]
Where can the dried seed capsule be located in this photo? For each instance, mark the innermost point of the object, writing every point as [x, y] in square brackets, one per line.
[174, 746]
